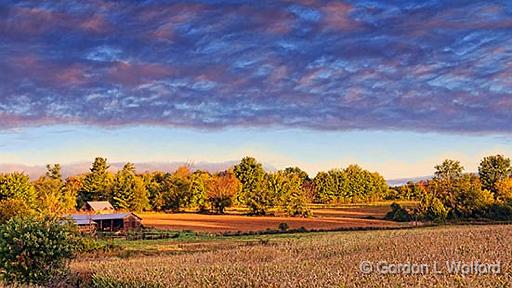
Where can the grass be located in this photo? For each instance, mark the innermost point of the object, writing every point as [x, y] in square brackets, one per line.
[306, 260]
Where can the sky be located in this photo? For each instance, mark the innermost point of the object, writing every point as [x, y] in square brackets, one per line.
[395, 86]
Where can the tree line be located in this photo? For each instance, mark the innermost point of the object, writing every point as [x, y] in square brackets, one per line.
[246, 184]
[454, 195]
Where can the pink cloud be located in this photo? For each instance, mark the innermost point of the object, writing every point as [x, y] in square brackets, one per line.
[337, 16]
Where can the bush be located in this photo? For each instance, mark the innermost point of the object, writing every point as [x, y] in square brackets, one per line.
[36, 250]
[398, 213]
[283, 226]
[10, 208]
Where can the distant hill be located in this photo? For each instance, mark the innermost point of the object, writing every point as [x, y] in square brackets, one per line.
[402, 181]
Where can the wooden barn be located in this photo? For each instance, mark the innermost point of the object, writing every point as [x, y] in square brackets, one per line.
[107, 222]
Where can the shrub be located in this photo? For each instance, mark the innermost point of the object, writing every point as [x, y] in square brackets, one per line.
[36, 250]
[10, 208]
[283, 226]
[398, 213]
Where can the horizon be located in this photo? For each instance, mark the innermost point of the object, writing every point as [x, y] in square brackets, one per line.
[313, 84]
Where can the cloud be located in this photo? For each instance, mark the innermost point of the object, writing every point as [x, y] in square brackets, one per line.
[327, 65]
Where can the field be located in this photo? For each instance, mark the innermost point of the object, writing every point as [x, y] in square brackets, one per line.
[330, 259]
[325, 218]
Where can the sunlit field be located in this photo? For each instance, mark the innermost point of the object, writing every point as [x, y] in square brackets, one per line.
[326, 217]
[310, 260]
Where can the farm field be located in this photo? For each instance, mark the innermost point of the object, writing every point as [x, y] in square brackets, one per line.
[325, 218]
[330, 259]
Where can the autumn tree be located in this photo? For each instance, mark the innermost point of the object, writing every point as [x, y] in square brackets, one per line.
[504, 190]
[17, 186]
[493, 169]
[221, 190]
[97, 183]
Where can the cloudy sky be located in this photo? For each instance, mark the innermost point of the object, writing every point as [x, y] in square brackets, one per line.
[395, 86]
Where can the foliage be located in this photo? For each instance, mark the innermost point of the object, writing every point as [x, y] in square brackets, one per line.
[352, 184]
[17, 186]
[154, 183]
[9, 208]
[198, 190]
[221, 190]
[398, 213]
[129, 191]
[52, 195]
[448, 170]
[492, 170]
[97, 184]
[176, 189]
[503, 192]
[34, 250]
[253, 194]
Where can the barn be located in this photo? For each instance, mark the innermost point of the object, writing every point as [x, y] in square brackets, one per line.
[98, 207]
[108, 222]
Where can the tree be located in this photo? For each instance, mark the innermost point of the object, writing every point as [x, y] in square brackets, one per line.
[299, 172]
[504, 190]
[198, 189]
[154, 185]
[254, 195]
[449, 170]
[97, 183]
[176, 189]
[325, 188]
[17, 186]
[52, 195]
[54, 171]
[128, 190]
[36, 250]
[493, 169]
[221, 190]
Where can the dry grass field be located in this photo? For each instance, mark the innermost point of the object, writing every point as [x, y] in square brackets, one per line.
[315, 260]
[233, 223]
[325, 217]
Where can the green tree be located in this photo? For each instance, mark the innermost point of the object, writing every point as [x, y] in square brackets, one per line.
[199, 180]
[493, 169]
[154, 183]
[36, 250]
[97, 184]
[254, 194]
[449, 170]
[299, 172]
[17, 186]
[128, 190]
[325, 188]
[177, 189]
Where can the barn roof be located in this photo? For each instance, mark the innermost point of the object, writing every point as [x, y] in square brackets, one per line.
[100, 205]
[96, 217]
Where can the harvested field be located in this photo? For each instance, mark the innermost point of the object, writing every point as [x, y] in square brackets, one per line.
[320, 260]
[233, 223]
